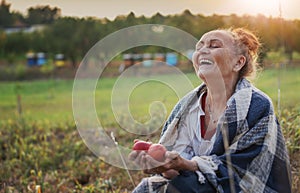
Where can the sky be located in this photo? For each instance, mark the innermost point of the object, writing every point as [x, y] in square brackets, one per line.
[112, 8]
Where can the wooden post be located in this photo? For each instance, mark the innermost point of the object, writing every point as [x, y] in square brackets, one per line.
[19, 104]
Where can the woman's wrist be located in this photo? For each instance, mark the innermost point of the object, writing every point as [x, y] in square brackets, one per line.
[194, 165]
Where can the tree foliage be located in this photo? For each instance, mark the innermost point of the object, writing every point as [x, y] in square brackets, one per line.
[5, 14]
[42, 15]
[75, 36]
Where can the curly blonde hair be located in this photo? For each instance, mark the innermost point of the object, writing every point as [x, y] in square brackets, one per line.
[247, 44]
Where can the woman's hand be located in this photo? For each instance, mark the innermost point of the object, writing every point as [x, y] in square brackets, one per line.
[169, 167]
[173, 161]
[137, 156]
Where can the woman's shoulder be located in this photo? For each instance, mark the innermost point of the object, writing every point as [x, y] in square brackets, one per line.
[256, 94]
[261, 104]
[250, 101]
[260, 97]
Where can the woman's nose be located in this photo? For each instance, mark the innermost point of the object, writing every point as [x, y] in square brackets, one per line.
[199, 52]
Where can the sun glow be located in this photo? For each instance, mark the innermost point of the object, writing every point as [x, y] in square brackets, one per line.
[265, 7]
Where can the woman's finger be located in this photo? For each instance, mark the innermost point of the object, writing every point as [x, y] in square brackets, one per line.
[137, 157]
[170, 155]
[143, 161]
[152, 170]
[132, 155]
[153, 163]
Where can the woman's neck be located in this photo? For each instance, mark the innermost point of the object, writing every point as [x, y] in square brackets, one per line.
[219, 92]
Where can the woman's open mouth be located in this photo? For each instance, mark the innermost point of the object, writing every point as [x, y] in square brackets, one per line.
[205, 62]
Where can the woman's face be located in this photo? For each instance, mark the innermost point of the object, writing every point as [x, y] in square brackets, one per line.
[215, 56]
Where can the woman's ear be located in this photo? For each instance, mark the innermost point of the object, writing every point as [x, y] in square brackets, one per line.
[239, 64]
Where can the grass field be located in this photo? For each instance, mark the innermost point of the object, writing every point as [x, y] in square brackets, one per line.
[41, 146]
[51, 100]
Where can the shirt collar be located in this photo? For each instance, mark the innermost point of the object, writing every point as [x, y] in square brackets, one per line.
[197, 105]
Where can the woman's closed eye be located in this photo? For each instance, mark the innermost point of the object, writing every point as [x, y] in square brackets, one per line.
[212, 44]
[215, 44]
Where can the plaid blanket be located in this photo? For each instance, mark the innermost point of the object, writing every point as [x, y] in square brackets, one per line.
[249, 153]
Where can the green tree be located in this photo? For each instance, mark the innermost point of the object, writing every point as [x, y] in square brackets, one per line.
[2, 43]
[18, 18]
[73, 37]
[157, 18]
[42, 14]
[6, 19]
[18, 43]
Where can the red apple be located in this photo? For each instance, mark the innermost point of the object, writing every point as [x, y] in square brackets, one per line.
[157, 151]
[141, 145]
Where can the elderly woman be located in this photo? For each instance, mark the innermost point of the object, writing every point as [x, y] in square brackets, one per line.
[223, 136]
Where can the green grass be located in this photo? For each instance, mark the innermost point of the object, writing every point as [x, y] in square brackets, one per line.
[287, 80]
[51, 100]
[41, 100]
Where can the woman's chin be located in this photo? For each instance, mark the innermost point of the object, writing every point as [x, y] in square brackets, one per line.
[202, 74]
